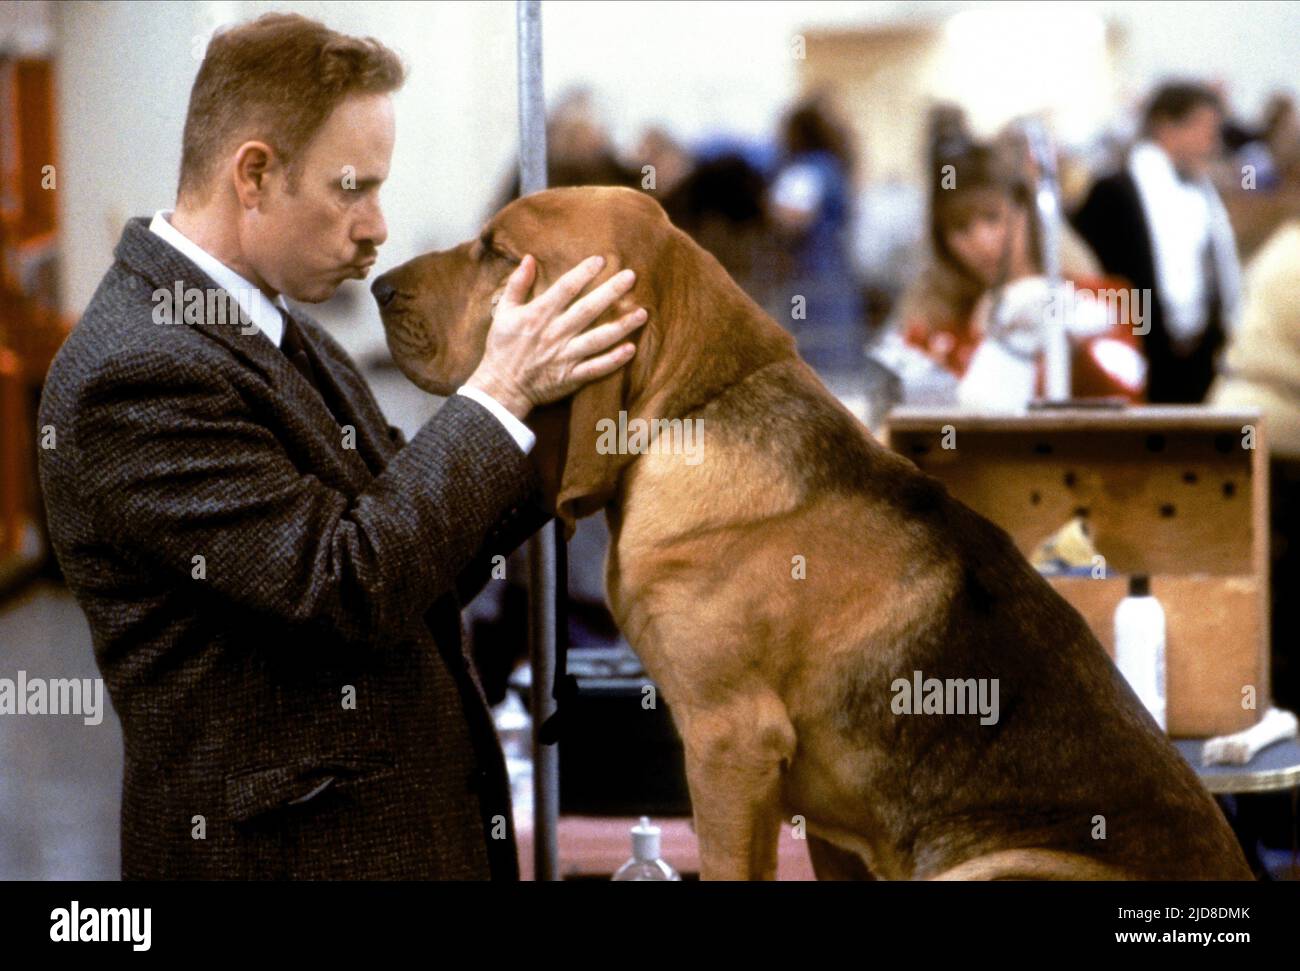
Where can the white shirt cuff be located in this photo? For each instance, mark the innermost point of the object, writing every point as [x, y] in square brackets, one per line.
[520, 432]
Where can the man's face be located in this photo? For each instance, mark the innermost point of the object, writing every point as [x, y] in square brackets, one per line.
[305, 243]
[1193, 143]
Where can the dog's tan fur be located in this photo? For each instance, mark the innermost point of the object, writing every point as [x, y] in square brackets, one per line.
[781, 687]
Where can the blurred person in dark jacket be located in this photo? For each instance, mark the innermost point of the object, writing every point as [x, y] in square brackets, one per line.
[1160, 224]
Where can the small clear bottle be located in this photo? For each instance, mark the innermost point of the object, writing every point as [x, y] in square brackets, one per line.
[645, 863]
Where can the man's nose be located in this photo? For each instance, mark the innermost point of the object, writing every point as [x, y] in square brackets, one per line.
[379, 232]
[372, 229]
[383, 290]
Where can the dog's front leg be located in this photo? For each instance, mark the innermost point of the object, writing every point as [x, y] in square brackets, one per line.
[734, 760]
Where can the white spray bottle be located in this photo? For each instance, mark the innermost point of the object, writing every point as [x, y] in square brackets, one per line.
[1140, 646]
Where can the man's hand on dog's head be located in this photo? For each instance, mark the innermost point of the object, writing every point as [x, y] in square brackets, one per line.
[537, 352]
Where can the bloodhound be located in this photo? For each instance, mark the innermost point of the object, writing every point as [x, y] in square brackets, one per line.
[845, 647]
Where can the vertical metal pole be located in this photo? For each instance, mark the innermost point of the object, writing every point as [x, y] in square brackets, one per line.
[1047, 198]
[543, 587]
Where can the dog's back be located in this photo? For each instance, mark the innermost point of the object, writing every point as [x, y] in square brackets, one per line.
[1072, 762]
[1066, 759]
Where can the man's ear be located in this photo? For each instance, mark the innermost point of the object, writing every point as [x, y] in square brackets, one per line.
[253, 160]
[577, 459]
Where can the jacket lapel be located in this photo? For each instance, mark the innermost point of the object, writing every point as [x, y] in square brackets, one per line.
[164, 268]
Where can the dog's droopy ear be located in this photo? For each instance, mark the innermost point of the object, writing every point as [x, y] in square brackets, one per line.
[582, 470]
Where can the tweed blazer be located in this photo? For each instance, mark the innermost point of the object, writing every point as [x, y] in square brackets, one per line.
[274, 593]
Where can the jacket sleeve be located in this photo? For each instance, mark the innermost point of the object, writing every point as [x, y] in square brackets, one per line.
[1094, 220]
[176, 467]
[503, 539]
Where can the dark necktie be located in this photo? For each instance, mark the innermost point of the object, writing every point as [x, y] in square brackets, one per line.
[295, 350]
[294, 346]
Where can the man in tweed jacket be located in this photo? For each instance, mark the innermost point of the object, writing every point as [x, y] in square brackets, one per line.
[272, 574]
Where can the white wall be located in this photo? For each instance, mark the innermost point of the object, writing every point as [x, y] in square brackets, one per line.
[123, 74]
[125, 70]
[1254, 47]
[25, 28]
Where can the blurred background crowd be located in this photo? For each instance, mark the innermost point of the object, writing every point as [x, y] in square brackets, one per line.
[872, 174]
[903, 284]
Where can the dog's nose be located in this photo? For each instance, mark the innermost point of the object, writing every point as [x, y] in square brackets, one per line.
[383, 291]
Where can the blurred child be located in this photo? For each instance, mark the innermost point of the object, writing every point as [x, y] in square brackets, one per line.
[972, 328]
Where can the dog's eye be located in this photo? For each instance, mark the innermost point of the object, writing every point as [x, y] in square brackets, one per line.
[502, 255]
[489, 249]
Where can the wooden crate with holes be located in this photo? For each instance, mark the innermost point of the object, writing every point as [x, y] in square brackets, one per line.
[1176, 492]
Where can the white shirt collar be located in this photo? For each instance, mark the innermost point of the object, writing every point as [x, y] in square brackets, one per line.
[252, 301]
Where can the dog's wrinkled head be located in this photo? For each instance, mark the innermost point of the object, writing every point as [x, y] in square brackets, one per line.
[437, 308]
[700, 330]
